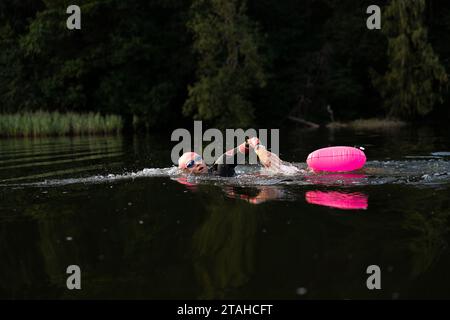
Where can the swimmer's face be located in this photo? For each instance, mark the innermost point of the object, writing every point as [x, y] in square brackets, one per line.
[196, 165]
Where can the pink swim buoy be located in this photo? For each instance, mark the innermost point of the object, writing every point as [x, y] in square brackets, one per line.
[336, 159]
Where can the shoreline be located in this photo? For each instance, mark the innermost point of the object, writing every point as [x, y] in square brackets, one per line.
[368, 124]
[56, 124]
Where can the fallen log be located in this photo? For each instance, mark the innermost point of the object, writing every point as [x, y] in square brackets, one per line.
[303, 121]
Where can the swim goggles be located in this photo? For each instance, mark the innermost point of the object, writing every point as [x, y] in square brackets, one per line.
[191, 163]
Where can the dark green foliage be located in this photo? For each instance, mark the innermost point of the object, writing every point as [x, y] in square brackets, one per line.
[411, 86]
[232, 63]
[229, 65]
[321, 52]
[128, 58]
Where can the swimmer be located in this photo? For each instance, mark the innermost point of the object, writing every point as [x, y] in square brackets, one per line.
[224, 166]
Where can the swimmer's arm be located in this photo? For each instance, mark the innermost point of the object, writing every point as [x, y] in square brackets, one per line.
[225, 164]
[268, 159]
[230, 157]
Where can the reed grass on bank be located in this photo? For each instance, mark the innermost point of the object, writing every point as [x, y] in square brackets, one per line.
[42, 123]
[368, 124]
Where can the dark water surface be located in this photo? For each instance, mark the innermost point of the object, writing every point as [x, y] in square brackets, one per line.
[117, 208]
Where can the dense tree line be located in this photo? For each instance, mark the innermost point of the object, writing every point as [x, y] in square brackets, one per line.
[228, 62]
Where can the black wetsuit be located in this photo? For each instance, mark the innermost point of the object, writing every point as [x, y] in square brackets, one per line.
[225, 164]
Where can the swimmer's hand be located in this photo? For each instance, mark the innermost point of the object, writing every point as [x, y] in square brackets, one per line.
[268, 159]
[249, 142]
[253, 142]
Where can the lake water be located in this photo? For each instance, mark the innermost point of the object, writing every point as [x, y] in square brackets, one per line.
[117, 208]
